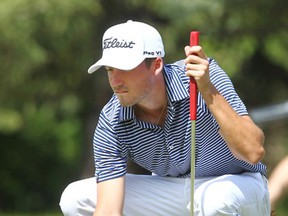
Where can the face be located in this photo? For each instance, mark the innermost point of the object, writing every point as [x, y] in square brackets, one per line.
[133, 86]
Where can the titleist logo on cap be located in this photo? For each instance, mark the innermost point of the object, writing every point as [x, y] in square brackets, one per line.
[115, 43]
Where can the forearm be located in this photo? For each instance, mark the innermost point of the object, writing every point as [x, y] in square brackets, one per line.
[243, 137]
[110, 197]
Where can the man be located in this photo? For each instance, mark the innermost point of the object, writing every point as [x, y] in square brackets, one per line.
[147, 121]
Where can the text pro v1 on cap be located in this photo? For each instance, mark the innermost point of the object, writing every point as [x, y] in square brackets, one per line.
[126, 45]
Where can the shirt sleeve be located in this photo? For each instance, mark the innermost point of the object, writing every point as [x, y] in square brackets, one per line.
[110, 159]
[224, 85]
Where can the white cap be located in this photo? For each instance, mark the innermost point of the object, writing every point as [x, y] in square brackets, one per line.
[126, 45]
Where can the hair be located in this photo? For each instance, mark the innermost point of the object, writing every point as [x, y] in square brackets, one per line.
[149, 61]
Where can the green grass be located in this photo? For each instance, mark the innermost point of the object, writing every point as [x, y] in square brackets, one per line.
[31, 214]
[281, 210]
[282, 207]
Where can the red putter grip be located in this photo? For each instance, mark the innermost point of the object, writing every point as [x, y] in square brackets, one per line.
[194, 40]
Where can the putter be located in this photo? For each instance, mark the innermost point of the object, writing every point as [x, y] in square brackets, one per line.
[194, 40]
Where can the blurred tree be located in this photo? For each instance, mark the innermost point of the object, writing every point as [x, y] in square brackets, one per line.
[49, 105]
[43, 61]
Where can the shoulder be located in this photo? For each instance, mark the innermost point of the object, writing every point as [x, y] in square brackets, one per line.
[175, 72]
[219, 77]
[111, 110]
[177, 83]
[177, 66]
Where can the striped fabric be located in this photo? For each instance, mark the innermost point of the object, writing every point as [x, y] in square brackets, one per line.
[166, 151]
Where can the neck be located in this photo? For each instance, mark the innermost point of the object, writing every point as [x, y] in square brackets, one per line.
[154, 116]
[153, 108]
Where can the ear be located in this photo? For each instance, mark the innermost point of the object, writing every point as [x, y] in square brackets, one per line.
[158, 65]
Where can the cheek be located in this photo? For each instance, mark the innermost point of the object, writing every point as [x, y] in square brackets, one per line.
[110, 81]
[143, 86]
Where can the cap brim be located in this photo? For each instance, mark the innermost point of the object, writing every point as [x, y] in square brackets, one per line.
[127, 64]
[95, 67]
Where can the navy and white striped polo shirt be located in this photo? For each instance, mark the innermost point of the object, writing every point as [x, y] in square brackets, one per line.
[165, 150]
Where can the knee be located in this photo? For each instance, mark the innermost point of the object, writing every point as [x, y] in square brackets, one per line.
[79, 198]
[216, 201]
[68, 200]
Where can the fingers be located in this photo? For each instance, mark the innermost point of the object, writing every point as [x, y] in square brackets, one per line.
[196, 61]
[197, 65]
[195, 50]
[195, 55]
[197, 71]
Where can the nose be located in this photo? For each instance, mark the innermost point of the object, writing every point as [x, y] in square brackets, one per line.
[115, 77]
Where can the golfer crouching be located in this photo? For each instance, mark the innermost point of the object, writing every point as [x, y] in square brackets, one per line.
[147, 121]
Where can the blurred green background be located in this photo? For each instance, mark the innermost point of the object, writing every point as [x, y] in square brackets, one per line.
[49, 105]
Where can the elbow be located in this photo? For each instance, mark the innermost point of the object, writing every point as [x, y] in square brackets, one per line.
[254, 151]
[253, 157]
[257, 156]
[258, 153]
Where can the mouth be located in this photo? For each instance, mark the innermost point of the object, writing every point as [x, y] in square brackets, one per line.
[120, 90]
